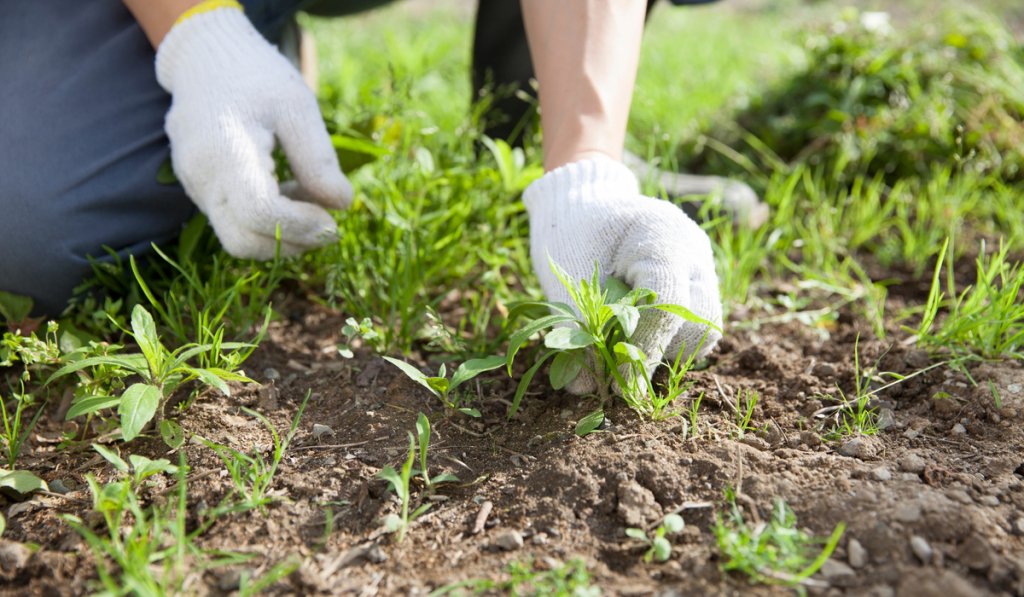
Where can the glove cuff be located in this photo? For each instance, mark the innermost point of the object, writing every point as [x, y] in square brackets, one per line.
[219, 33]
[580, 183]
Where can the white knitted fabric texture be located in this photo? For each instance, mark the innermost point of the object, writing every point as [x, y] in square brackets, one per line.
[592, 210]
[232, 94]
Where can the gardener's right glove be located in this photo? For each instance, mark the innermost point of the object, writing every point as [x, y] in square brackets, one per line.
[232, 94]
[592, 211]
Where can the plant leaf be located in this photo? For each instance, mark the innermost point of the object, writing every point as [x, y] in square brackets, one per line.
[637, 534]
[685, 313]
[138, 405]
[172, 434]
[144, 332]
[673, 523]
[521, 336]
[568, 339]
[524, 382]
[474, 367]
[21, 482]
[471, 412]
[662, 549]
[628, 317]
[112, 457]
[91, 404]
[628, 353]
[589, 423]
[412, 373]
[564, 368]
[390, 475]
[211, 379]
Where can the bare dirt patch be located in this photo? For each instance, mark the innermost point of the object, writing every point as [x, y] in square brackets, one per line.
[934, 504]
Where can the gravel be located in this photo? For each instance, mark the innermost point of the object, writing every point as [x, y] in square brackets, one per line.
[919, 545]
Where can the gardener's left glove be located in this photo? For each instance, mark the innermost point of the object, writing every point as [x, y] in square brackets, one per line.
[592, 211]
[232, 94]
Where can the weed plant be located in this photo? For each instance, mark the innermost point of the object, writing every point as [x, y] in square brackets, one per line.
[659, 547]
[447, 389]
[570, 579]
[776, 552]
[593, 339]
[985, 319]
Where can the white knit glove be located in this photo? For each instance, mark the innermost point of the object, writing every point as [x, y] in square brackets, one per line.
[592, 211]
[232, 94]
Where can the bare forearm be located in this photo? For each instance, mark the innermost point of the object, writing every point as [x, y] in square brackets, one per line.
[585, 53]
[156, 17]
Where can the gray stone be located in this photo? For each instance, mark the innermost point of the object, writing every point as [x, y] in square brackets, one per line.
[13, 556]
[908, 513]
[988, 500]
[881, 474]
[911, 463]
[923, 551]
[271, 374]
[833, 569]
[1018, 525]
[509, 540]
[637, 505]
[861, 447]
[975, 553]
[856, 554]
[959, 429]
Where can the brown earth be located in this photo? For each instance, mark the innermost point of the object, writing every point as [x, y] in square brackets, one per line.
[948, 470]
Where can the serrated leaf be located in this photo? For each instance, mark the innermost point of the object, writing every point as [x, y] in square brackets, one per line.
[172, 434]
[112, 457]
[138, 405]
[21, 482]
[589, 423]
[565, 367]
[568, 339]
[91, 404]
[474, 367]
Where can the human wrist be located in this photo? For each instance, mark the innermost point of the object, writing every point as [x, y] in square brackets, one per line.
[581, 182]
[213, 31]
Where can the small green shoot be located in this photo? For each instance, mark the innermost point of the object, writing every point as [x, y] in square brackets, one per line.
[15, 429]
[362, 331]
[776, 552]
[399, 483]
[423, 439]
[746, 401]
[162, 372]
[659, 547]
[446, 389]
[252, 475]
[570, 579]
[138, 468]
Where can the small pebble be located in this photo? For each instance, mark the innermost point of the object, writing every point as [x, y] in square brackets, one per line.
[1018, 525]
[321, 430]
[856, 554]
[911, 433]
[921, 549]
[271, 374]
[540, 539]
[959, 429]
[908, 513]
[509, 540]
[886, 419]
[911, 463]
[58, 486]
[988, 500]
[13, 556]
[881, 474]
[858, 447]
[1014, 388]
[833, 569]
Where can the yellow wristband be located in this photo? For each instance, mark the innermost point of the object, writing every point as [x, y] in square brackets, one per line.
[207, 6]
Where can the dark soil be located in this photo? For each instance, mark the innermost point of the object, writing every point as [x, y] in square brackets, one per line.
[948, 468]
